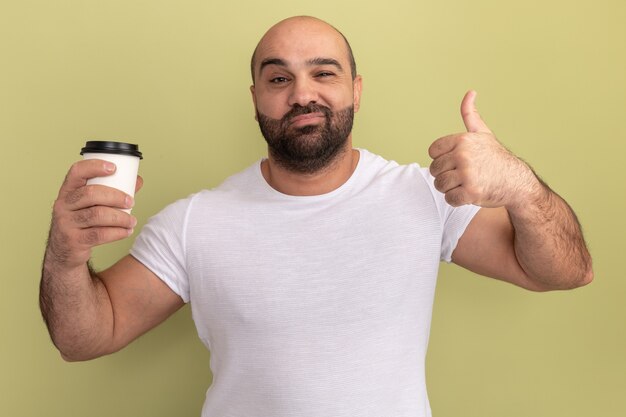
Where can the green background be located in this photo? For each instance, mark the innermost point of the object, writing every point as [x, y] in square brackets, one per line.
[173, 76]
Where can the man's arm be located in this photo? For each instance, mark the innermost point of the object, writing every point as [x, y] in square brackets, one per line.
[531, 255]
[525, 233]
[91, 314]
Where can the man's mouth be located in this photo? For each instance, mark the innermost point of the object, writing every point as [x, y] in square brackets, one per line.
[306, 119]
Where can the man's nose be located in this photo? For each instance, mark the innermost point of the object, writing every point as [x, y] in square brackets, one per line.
[303, 92]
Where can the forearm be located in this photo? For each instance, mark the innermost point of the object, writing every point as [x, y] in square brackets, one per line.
[540, 245]
[548, 240]
[74, 301]
[76, 309]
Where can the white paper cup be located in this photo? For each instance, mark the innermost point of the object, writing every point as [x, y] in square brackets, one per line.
[126, 158]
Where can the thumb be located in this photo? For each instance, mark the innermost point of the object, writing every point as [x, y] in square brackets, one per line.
[471, 118]
[139, 183]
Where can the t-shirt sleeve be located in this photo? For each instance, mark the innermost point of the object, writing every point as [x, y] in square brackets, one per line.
[454, 220]
[160, 246]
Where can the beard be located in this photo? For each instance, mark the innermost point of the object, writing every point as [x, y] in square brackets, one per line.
[310, 148]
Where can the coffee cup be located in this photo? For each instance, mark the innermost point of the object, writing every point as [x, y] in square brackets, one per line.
[126, 158]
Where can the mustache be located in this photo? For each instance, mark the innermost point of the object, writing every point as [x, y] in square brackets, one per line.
[298, 110]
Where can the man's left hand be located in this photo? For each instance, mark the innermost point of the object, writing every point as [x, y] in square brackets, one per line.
[474, 168]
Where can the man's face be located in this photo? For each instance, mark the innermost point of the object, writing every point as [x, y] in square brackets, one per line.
[304, 94]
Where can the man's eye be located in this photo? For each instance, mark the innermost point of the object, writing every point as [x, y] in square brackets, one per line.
[278, 80]
[325, 74]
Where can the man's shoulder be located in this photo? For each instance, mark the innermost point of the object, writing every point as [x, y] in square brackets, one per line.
[238, 184]
[242, 180]
[245, 184]
[382, 167]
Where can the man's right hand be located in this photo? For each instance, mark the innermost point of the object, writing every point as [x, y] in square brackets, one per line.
[85, 216]
[91, 314]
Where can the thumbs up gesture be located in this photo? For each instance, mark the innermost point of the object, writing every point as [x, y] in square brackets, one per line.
[474, 168]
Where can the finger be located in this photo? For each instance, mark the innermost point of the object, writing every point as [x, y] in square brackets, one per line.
[81, 171]
[447, 181]
[442, 146]
[445, 162]
[457, 197]
[139, 183]
[95, 236]
[471, 118]
[100, 216]
[97, 195]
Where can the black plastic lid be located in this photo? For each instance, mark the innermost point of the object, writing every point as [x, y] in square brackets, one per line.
[120, 148]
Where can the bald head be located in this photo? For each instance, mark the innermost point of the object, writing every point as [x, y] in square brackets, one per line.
[285, 29]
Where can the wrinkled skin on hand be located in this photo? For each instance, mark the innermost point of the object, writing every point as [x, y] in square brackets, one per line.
[474, 168]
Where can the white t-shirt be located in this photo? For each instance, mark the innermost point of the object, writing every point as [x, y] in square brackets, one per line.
[314, 306]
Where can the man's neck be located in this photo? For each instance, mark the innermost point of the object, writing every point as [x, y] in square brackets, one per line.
[322, 182]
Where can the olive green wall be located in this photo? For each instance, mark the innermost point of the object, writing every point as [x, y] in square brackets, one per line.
[173, 76]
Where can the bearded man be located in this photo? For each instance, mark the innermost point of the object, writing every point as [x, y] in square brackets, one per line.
[311, 274]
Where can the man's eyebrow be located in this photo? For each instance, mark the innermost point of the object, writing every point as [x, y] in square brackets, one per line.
[311, 62]
[272, 61]
[325, 61]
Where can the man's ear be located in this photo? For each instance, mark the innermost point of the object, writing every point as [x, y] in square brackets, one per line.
[254, 101]
[357, 86]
